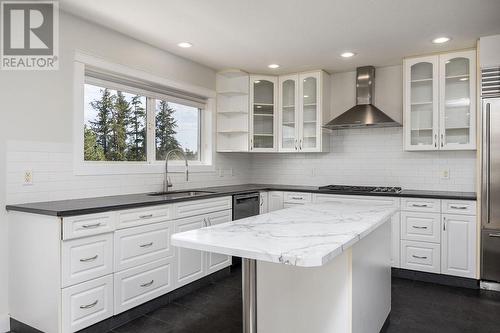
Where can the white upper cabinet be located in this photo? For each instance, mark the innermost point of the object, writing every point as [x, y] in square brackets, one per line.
[303, 107]
[263, 111]
[457, 79]
[260, 113]
[440, 101]
[289, 115]
[421, 103]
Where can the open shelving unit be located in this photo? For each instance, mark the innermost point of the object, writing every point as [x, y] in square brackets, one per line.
[232, 111]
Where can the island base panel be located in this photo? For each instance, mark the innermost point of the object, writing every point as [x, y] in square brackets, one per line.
[349, 294]
[249, 289]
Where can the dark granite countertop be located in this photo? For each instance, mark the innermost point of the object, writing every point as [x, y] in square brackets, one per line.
[101, 204]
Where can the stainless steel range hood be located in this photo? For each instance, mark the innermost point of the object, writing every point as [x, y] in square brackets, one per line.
[364, 113]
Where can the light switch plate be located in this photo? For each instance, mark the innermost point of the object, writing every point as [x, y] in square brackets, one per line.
[445, 174]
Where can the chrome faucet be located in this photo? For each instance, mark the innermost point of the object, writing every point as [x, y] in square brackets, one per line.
[167, 183]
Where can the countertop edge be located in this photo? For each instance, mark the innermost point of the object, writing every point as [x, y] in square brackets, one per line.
[229, 192]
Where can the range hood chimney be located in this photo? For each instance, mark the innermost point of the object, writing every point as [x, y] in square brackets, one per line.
[364, 113]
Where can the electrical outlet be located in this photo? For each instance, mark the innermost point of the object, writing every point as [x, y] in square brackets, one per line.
[445, 174]
[28, 177]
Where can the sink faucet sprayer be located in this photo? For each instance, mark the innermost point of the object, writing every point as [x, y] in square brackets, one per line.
[167, 183]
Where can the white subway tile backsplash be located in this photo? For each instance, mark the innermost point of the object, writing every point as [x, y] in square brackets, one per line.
[357, 157]
[54, 179]
[369, 157]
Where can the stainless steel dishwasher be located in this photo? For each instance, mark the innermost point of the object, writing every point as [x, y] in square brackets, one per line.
[246, 205]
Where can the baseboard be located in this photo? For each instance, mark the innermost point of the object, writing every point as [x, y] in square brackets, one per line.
[447, 280]
[4, 323]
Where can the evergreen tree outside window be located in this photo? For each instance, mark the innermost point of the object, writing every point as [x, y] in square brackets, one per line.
[177, 126]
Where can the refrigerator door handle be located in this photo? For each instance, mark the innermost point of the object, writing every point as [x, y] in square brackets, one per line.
[486, 165]
[486, 171]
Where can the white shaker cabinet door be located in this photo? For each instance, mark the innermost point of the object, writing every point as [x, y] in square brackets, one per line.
[190, 263]
[458, 245]
[217, 261]
[275, 200]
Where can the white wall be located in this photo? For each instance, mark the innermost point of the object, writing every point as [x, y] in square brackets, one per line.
[369, 156]
[36, 121]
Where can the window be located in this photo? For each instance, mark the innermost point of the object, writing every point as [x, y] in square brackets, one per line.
[115, 125]
[117, 122]
[177, 126]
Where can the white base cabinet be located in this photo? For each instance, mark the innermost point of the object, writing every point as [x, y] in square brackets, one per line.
[458, 245]
[140, 284]
[87, 303]
[69, 273]
[428, 235]
[275, 201]
[439, 236]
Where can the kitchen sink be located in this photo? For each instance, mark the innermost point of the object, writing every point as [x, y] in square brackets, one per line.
[180, 194]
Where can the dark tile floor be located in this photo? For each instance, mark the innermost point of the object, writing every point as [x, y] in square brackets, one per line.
[416, 307]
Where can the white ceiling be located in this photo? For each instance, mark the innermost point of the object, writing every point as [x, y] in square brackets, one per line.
[297, 34]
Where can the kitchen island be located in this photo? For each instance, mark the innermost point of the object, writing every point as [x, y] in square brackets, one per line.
[316, 268]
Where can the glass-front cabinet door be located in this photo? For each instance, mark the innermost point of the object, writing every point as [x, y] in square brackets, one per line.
[457, 102]
[310, 127]
[289, 113]
[421, 103]
[263, 113]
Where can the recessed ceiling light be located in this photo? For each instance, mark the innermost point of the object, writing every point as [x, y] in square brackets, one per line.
[184, 45]
[347, 54]
[441, 40]
[273, 66]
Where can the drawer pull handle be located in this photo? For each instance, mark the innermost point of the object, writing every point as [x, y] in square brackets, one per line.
[148, 216]
[91, 226]
[458, 207]
[88, 306]
[297, 198]
[146, 245]
[89, 259]
[420, 205]
[147, 284]
[417, 227]
[418, 257]
[494, 235]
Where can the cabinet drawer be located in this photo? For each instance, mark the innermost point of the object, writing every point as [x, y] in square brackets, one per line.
[424, 227]
[86, 258]
[88, 225]
[142, 283]
[297, 197]
[140, 245]
[461, 207]
[420, 256]
[142, 216]
[87, 303]
[421, 205]
[357, 199]
[199, 207]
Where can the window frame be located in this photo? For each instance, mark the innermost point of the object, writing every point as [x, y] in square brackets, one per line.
[206, 139]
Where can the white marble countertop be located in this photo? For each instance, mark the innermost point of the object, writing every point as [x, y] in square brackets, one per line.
[308, 235]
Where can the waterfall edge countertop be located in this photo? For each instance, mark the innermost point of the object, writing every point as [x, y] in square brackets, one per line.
[83, 206]
[307, 236]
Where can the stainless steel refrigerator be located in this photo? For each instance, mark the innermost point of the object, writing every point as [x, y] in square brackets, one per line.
[490, 185]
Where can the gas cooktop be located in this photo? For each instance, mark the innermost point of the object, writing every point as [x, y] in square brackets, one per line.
[360, 189]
